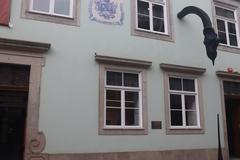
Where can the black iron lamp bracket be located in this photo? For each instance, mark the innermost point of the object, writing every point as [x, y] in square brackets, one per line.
[211, 40]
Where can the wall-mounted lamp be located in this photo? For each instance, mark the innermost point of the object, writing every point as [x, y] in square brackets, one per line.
[211, 39]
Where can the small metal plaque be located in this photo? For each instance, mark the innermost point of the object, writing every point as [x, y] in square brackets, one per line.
[156, 124]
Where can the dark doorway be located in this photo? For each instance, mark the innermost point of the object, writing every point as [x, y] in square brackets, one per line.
[14, 82]
[232, 104]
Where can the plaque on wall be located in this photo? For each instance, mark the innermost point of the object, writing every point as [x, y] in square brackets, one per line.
[156, 124]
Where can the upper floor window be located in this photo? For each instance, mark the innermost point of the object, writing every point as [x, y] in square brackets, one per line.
[151, 19]
[53, 7]
[227, 26]
[56, 11]
[226, 20]
[151, 16]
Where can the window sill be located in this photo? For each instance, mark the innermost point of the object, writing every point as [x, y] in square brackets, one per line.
[51, 15]
[123, 131]
[229, 49]
[150, 31]
[152, 35]
[172, 131]
[123, 128]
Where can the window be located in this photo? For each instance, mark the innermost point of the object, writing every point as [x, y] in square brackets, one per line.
[151, 16]
[57, 11]
[122, 91]
[183, 99]
[53, 7]
[123, 105]
[227, 26]
[226, 19]
[151, 19]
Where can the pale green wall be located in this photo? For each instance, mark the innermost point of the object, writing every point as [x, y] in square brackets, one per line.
[69, 91]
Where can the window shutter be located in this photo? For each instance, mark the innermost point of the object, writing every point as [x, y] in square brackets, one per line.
[5, 12]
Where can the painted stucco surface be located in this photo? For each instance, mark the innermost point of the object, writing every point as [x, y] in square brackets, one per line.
[69, 90]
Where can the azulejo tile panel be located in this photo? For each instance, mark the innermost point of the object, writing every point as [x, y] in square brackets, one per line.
[106, 11]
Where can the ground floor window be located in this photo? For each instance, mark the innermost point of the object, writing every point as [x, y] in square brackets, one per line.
[122, 95]
[123, 100]
[183, 99]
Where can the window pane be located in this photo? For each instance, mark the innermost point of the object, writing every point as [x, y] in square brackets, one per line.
[231, 88]
[222, 36]
[221, 25]
[175, 101]
[233, 40]
[175, 83]
[143, 7]
[113, 95]
[225, 13]
[158, 11]
[113, 98]
[62, 7]
[191, 118]
[190, 102]
[131, 80]
[114, 78]
[41, 5]
[131, 99]
[113, 116]
[143, 22]
[132, 117]
[188, 85]
[176, 118]
[158, 25]
[231, 28]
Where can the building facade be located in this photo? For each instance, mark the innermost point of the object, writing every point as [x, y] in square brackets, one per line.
[114, 79]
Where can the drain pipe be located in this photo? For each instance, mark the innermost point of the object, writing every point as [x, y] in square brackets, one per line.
[220, 156]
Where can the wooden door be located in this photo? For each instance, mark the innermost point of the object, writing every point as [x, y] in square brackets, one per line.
[14, 82]
[236, 131]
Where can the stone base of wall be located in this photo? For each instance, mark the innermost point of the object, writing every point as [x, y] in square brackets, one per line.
[196, 154]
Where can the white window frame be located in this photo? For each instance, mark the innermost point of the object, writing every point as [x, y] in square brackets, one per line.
[123, 89]
[226, 20]
[163, 3]
[183, 93]
[51, 9]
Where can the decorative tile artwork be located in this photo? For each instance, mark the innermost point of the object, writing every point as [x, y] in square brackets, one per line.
[106, 11]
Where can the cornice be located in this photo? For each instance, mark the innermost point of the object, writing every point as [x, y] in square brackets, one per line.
[20, 45]
[184, 69]
[122, 61]
[228, 75]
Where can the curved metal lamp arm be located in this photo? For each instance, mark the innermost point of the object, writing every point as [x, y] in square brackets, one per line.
[195, 10]
[211, 40]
